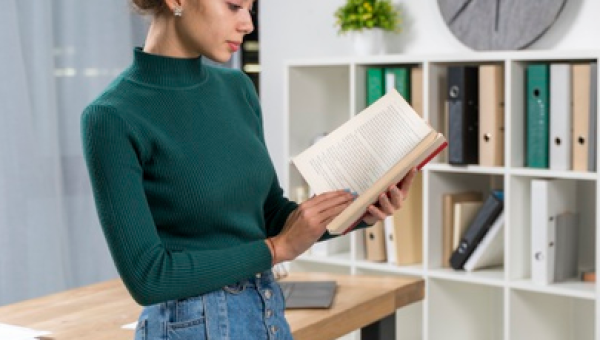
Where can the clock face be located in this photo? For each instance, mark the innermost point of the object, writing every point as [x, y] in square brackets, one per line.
[499, 24]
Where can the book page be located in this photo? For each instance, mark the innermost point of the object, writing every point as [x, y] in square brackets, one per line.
[363, 149]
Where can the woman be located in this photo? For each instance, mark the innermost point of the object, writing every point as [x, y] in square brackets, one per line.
[185, 190]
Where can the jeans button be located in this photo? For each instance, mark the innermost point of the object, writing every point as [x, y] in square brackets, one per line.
[268, 294]
[274, 329]
[269, 313]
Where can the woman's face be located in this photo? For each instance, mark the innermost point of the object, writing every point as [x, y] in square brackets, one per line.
[214, 28]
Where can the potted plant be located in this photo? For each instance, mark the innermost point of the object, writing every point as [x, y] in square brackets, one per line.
[367, 21]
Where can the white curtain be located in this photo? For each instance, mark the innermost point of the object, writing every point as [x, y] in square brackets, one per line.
[55, 57]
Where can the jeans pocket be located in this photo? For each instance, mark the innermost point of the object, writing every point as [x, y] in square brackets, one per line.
[187, 320]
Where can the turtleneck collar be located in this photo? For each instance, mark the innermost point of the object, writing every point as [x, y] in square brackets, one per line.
[166, 71]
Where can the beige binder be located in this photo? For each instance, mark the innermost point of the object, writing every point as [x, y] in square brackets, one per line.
[464, 213]
[408, 226]
[448, 201]
[581, 115]
[375, 243]
[491, 115]
[416, 89]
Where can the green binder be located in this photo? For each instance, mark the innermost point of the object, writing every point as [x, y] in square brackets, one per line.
[398, 78]
[537, 128]
[375, 84]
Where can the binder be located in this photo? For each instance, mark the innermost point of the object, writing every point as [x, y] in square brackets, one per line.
[448, 201]
[463, 107]
[567, 235]
[416, 89]
[490, 251]
[408, 226]
[593, 117]
[549, 198]
[560, 117]
[583, 115]
[375, 84]
[375, 243]
[490, 210]
[537, 149]
[464, 213]
[491, 115]
[398, 78]
[390, 239]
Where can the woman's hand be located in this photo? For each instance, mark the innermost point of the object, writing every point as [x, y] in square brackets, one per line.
[389, 201]
[307, 224]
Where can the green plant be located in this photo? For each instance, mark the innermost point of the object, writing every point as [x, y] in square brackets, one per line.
[357, 15]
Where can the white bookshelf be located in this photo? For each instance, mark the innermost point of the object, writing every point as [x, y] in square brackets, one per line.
[493, 304]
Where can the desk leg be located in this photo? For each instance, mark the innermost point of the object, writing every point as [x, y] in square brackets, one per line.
[384, 329]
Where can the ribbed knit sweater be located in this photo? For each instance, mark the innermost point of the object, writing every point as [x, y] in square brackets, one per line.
[184, 187]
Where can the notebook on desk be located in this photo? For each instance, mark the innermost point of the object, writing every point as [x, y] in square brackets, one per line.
[308, 294]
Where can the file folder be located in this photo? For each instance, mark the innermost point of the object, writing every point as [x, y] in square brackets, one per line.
[537, 148]
[463, 120]
[560, 117]
[491, 115]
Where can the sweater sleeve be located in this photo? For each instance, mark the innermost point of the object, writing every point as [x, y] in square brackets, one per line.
[277, 207]
[113, 153]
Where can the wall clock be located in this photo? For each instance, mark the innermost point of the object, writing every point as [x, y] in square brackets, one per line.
[499, 24]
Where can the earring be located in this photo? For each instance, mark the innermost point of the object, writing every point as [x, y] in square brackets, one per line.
[178, 11]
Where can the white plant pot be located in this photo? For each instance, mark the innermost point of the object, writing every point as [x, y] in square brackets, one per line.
[368, 42]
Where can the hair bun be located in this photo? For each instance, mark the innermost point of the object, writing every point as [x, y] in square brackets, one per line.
[149, 6]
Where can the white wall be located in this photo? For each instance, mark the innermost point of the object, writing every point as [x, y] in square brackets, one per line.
[305, 29]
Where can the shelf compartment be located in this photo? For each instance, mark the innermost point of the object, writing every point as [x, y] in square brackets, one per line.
[436, 185]
[520, 229]
[479, 309]
[550, 317]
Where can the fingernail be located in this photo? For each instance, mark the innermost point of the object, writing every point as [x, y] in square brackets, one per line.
[347, 190]
[355, 193]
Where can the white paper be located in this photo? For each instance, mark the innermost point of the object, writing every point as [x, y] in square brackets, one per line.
[11, 332]
[132, 325]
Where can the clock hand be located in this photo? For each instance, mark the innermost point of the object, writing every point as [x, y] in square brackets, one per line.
[459, 12]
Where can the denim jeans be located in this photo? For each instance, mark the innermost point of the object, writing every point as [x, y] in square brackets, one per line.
[252, 309]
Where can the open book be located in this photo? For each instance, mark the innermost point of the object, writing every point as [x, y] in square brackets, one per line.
[369, 153]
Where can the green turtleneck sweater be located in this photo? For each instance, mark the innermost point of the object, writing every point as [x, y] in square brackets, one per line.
[184, 187]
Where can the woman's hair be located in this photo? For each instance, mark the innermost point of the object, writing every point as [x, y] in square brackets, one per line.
[149, 6]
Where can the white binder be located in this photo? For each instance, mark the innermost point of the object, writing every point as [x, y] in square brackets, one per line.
[560, 117]
[390, 242]
[490, 251]
[549, 198]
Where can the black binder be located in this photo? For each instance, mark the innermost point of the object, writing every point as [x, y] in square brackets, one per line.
[463, 111]
[485, 217]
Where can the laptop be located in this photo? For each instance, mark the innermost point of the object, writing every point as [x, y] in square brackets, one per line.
[308, 294]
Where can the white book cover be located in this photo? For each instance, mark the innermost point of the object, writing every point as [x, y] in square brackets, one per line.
[560, 117]
[549, 198]
[490, 251]
[390, 243]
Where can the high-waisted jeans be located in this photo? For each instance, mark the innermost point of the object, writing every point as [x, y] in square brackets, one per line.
[252, 309]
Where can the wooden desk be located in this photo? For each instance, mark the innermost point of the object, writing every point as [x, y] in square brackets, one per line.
[98, 311]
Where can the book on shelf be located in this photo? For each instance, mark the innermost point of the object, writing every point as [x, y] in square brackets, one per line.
[484, 219]
[369, 153]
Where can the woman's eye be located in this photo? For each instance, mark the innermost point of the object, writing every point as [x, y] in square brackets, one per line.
[234, 7]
